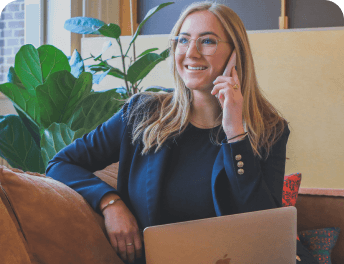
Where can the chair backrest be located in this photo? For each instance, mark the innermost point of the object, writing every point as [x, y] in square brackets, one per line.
[320, 208]
[109, 174]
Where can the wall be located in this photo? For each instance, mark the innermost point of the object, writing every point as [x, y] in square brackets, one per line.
[11, 35]
[255, 14]
[300, 72]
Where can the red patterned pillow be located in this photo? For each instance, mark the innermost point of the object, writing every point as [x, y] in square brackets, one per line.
[291, 190]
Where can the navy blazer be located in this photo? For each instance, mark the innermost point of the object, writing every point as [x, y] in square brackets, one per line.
[140, 177]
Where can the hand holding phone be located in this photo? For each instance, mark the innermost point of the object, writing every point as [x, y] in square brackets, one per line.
[227, 72]
[227, 87]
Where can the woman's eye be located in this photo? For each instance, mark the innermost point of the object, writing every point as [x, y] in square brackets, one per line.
[208, 41]
[183, 40]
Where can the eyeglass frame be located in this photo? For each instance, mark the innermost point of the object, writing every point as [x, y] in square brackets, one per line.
[189, 40]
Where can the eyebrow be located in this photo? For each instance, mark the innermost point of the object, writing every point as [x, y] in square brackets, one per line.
[201, 34]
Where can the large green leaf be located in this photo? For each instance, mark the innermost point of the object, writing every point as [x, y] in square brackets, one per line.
[52, 60]
[60, 95]
[28, 68]
[34, 130]
[55, 138]
[13, 78]
[17, 146]
[77, 64]
[23, 100]
[96, 109]
[84, 25]
[148, 15]
[140, 68]
[110, 30]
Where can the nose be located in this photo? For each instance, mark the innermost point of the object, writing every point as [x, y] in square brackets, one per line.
[192, 50]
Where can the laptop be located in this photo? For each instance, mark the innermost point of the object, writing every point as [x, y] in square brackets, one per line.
[264, 237]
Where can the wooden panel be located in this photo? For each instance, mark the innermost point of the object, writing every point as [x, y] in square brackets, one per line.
[76, 11]
[125, 17]
[104, 10]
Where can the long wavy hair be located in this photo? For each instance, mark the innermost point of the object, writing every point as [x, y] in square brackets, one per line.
[161, 116]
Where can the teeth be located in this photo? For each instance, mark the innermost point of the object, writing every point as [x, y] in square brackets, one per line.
[196, 68]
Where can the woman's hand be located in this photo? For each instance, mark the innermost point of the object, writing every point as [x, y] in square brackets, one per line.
[231, 99]
[122, 229]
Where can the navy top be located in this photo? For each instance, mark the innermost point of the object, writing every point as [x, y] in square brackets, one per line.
[257, 185]
[141, 178]
[186, 191]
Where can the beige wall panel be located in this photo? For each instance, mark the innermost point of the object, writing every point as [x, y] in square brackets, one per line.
[301, 73]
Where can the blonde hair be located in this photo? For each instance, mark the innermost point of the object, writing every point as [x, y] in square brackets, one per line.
[161, 116]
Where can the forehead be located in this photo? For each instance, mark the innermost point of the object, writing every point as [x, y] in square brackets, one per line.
[202, 21]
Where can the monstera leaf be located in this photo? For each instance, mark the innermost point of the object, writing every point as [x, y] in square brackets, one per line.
[18, 147]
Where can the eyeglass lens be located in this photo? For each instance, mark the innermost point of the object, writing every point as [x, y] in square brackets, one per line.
[206, 45]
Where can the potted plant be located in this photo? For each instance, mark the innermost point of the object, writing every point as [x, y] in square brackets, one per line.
[53, 95]
[138, 67]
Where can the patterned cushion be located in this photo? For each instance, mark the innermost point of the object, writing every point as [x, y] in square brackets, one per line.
[320, 242]
[291, 190]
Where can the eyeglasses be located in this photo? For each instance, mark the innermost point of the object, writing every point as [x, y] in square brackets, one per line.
[206, 45]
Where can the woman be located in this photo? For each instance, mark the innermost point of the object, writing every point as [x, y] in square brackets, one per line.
[172, 166]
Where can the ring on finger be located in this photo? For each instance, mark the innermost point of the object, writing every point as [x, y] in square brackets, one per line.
[129, 244]
[236, 87]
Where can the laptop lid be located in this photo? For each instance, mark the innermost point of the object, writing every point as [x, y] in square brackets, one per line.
[266, 236]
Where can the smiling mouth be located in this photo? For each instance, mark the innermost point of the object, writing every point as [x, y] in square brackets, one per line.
[197, 68]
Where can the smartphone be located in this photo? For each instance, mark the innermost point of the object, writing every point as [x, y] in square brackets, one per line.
[231, 63]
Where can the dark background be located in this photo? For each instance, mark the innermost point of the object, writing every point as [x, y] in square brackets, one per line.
[255, 14]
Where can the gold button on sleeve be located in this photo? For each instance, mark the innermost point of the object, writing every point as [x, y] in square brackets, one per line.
[240, 164]
[238, 157]
[240, 171]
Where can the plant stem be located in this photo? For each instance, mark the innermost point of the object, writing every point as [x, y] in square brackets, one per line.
[124, 71]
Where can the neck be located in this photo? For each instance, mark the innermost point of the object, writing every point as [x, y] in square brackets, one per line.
[205, 110]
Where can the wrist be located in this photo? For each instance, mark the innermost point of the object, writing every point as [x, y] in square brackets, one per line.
[236, 139]
[106, 199]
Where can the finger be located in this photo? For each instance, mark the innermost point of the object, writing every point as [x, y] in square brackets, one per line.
[130, 250]
[113, 241]
[236, 78]
[122, 247]
[221, 97]
[221, 86]
[231, 63]
[138, 245]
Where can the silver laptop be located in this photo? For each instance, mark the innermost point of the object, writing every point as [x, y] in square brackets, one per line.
[264, 237]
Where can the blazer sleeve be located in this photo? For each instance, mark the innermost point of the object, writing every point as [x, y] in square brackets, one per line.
[74, 165]
[249, 183]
